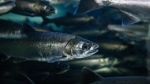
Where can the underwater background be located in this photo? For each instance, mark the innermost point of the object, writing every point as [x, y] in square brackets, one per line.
[120, 54]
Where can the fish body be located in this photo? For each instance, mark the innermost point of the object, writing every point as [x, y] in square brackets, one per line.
[98, 17]
[10, 81]
[131, 31]
[7, 6]
[13, 30]
[90, 77]
[126, 8]
[29, 67]
[71, 20]
[47, 46]
[85, 16]
[33, 7]
[58, 2]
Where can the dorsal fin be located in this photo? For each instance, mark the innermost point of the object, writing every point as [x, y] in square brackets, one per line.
[88, 76]
[27, 28]
[86, 5]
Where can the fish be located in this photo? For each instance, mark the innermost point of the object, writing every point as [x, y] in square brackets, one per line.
[90, 32]
[98, 17]
[33, 7]
[71, 20]
[131, 31]
[58, 2]
[90, 77]
[47, 46]
[19, 78]
[125, 7]
[95, 61]
[53, 68]
[13, 30]
[6, 7]
[10, 81]
[29, 67]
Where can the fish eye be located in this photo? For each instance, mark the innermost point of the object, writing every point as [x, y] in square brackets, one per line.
[85, 46]
[46, 8]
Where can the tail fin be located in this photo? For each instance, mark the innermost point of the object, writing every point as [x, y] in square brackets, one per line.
[85, 5]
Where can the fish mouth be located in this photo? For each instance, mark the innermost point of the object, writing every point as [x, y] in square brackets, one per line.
[91, 51]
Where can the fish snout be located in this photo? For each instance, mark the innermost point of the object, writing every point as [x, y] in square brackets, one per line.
[94, 46]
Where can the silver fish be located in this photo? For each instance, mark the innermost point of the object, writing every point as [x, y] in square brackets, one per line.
[33, 7]
[71, 20]
[132, 11]
[47, 46]
[90, 77]
[58, 2]
[13, 30]
[7, 6]
[131, 31]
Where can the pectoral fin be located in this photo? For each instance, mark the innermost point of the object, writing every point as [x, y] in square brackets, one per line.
[128, 18]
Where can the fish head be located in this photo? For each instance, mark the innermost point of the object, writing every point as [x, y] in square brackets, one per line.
[44, 8]
[80, 48]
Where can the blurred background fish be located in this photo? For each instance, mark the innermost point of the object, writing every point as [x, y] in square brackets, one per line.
[123, 50]
[90, 77]
[126, 9]
[131, 31]
[6, 7]
[33, 7]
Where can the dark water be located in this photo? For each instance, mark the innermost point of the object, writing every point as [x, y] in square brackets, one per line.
[120, 54]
